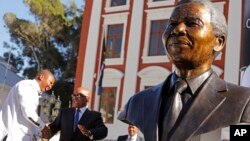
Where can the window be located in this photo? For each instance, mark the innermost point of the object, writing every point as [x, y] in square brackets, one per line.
[156, 47]
[116, 5]
[114, 41]
[107, 104]
[155, 18]
[118, 2]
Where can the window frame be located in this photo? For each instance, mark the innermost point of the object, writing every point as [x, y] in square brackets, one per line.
[159, 40]
[111, 78]
[115, 38]
[108, 100]
[119, 18]
[108, 8]
[152, 15]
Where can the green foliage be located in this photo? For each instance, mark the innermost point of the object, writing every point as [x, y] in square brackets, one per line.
[13, 59]
[50, 41]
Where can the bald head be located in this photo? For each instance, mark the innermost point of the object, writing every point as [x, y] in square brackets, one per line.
[83, 91]
[44, 72]
[80, 97]
[45, 80]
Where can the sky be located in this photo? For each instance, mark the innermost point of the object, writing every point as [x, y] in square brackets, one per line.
[21, 11]
[14, 6]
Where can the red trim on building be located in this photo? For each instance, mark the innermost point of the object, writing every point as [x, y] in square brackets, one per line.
[83, 43]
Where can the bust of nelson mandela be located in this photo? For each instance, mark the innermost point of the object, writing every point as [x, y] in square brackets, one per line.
[195, 34]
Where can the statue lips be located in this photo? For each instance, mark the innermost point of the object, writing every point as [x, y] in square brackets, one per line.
[178, 45]
[178, 41]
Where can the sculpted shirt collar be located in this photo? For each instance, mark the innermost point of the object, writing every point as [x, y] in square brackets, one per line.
[194, 83]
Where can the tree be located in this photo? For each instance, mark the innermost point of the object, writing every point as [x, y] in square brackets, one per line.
[51, 41]
[13, 59]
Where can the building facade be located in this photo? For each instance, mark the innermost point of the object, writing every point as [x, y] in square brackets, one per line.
[129, 31]
[8, 78]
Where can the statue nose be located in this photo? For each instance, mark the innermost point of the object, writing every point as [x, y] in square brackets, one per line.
[179, 29]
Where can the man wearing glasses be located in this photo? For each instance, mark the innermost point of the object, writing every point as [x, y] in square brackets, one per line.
[78, 123]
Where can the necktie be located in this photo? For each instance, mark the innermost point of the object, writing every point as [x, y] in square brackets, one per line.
[174, 111]
[185, 97]
[130, 139]
[76, 118]
[181, 86]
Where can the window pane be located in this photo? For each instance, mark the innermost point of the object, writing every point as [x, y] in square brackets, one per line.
[155, 26]
[114, 41]
[118, 2]
[118, 47]
[156, 46]
[111, 30]
[107, 104]
[153, 42]
[109, 48]
[119, 29]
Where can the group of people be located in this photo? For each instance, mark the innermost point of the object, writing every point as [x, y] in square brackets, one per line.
[192, 100]
[19, 120]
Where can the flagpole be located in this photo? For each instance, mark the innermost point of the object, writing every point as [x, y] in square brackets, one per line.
[100, 54]
[101, 65]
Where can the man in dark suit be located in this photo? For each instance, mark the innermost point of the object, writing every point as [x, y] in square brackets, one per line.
[132, 134]
[195, 34]
[78, 123]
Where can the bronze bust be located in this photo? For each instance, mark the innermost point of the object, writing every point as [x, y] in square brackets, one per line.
[195, 34]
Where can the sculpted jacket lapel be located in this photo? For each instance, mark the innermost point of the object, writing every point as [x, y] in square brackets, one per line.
[205, 104]
[151, 113]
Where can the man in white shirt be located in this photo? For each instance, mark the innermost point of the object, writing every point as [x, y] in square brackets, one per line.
[18, 117]
[132, 135]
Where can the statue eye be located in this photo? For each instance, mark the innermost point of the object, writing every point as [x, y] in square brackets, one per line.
[194, 23]
[172, 24]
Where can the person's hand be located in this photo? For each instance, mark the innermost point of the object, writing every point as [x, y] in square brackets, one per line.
[84, 130]
[46, 133]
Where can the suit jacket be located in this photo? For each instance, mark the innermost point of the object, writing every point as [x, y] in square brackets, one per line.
[125, 137]
[92, 120]
[218, 104]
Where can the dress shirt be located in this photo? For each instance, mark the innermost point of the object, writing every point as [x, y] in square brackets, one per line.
[81, 112]
[133, 138]
[19, 112]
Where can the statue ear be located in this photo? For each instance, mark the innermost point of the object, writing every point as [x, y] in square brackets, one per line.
[220, 43]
